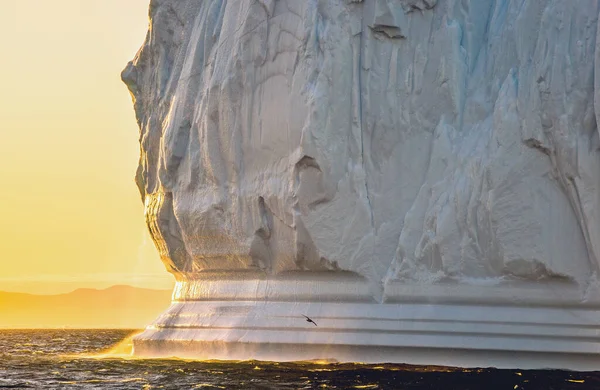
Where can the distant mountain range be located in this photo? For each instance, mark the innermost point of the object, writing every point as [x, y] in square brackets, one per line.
[114, 307]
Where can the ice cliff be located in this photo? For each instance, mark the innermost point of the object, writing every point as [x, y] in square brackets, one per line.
[412, 141]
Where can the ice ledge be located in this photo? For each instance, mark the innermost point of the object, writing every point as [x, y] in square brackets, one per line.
[416, 333]
[523, 326]
[349, 287]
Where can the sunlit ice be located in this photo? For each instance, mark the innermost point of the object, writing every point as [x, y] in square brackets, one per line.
[341, 181]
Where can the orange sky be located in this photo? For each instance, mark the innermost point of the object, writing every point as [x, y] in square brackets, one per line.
[70, 213]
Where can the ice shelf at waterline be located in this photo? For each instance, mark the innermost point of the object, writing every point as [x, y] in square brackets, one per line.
[420, 177]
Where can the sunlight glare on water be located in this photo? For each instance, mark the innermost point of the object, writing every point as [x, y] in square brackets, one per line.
[122, 350]
[101, 359]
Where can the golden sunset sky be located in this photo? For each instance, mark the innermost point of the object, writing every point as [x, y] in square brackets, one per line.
[70, 213]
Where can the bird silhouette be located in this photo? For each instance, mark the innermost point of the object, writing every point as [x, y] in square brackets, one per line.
[308, 319]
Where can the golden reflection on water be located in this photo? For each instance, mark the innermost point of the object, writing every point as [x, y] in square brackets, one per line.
[226, 374]
[321, 370]
[122, 350]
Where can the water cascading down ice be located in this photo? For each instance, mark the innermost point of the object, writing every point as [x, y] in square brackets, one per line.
[419, 177]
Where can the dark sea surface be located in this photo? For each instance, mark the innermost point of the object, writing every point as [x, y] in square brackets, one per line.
[80, 359]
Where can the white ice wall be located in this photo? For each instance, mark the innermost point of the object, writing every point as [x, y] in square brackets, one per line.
[401, 140]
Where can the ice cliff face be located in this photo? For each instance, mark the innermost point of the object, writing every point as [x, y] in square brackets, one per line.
[417, 140]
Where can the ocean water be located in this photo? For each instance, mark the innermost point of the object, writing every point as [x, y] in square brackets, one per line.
[97, 359]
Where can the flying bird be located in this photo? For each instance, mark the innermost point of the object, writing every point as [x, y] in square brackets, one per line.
[308, 319]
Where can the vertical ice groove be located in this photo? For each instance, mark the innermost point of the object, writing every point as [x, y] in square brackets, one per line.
[361, 87]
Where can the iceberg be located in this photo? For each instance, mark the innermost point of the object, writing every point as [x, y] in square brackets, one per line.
[419, 177]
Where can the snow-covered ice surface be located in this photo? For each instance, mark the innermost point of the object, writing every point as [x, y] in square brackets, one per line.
[421, 175]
